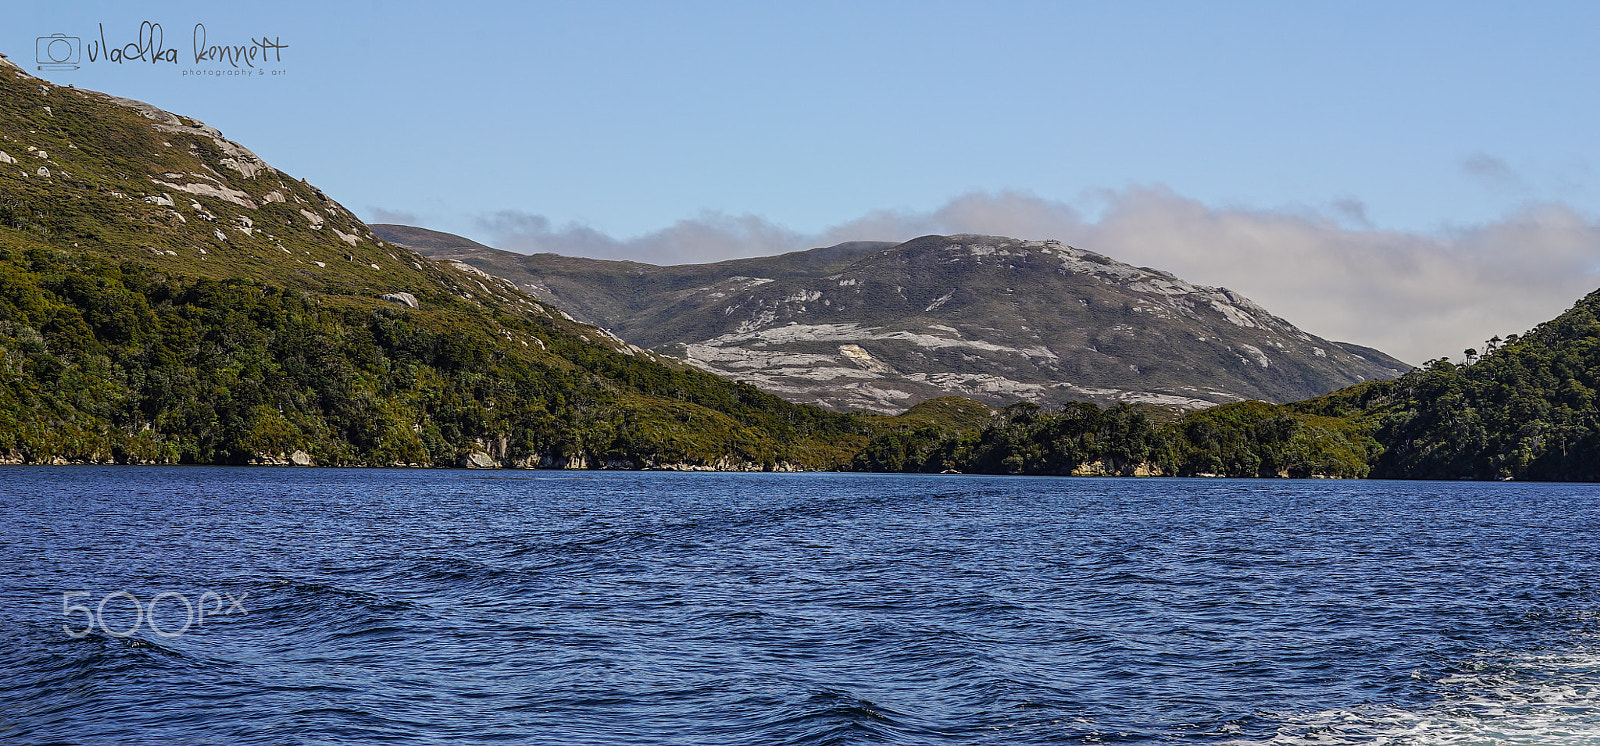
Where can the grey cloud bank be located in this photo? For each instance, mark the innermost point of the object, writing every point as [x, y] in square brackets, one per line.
[708, 238]
[1413, 295]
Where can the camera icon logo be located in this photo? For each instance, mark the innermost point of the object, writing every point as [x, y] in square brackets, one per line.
[59, 52]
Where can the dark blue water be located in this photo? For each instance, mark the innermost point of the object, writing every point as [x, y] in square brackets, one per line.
[625, 608]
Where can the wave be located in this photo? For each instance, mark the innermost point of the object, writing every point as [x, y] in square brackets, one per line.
[1550, 699]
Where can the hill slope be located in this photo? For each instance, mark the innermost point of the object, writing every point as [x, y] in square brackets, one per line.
[881, 326]
[1528, 410]
[167, 296]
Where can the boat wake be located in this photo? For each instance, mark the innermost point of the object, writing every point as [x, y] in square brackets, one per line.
[1550, 699]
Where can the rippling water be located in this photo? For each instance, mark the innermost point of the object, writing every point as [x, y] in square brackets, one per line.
[578, 608]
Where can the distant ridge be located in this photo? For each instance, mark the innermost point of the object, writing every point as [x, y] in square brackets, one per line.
[421, 239]
[882, 326]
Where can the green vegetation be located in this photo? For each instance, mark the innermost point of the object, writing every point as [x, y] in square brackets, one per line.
[1020, 440]
[166, 297]
[1248, 439]
[951, 413]
[1525, 409]
[118, 363]
[1254, 439]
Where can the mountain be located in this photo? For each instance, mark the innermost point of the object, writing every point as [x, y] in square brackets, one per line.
[166, 296]
[882, 326]
[601, 292]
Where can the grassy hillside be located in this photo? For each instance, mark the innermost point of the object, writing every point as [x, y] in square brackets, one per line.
[166, 296]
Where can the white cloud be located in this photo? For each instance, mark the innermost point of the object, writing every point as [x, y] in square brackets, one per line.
[1412, 295]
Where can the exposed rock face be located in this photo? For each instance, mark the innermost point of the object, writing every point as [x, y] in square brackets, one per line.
[479, 460]
[297, 458]
[405, 299]
[883, 326]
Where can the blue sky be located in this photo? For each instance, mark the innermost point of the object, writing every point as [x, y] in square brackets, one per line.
[601, 127]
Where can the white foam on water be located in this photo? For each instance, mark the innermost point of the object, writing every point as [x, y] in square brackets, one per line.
[1549, 700]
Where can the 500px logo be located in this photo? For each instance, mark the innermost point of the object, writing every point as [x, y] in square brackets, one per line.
[62, 52]
[142, 614]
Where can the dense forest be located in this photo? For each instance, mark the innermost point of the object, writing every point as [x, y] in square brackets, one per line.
[109, 363]
[121, 363]
[1525, 408]
[1248, 439]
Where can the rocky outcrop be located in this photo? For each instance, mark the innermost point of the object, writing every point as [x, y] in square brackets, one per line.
[296, 458]
[479, 460]
[233, 155]
[405, 299]
[1116, 468]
